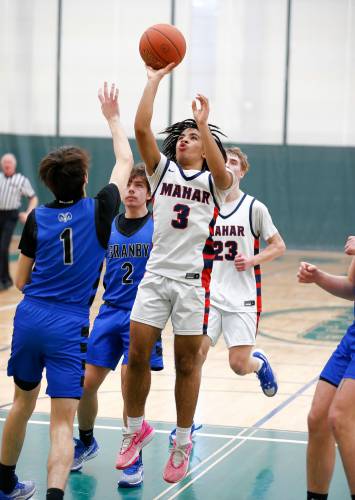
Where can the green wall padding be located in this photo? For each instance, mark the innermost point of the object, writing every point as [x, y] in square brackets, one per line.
[309, 190]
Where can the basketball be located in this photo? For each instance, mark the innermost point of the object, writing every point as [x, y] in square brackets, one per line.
[161, 45]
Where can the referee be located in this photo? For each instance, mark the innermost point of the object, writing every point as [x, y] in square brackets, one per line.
[12, 187]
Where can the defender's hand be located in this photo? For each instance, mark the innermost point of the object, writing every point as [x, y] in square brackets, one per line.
[109, 101]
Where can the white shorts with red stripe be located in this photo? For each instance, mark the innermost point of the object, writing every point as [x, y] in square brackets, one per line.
[159, 297]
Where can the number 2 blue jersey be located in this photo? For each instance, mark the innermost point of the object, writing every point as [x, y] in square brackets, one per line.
[68, 256]
[126, 260]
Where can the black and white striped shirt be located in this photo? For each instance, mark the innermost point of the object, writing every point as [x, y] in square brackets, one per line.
[11, 190]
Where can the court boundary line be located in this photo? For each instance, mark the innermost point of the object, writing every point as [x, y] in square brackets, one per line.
[230, 437]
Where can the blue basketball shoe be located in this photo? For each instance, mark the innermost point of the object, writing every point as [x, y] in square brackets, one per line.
[266, 375]
[132, 477]
[194, 428]
[22, 491]
[83, 453]
[156, 358]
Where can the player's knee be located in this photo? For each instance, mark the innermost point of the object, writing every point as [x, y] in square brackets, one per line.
[138, 359]
[24, 408]
[239, 365]
[187, 364]
[317, 420]
[91, 385]
[337, 421]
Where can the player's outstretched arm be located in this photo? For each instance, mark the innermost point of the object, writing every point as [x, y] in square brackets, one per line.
[275, 248]
[222, 178]
[340, 286]
[123, 153]
[146, 142]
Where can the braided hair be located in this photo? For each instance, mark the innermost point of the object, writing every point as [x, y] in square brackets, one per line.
[174, 131]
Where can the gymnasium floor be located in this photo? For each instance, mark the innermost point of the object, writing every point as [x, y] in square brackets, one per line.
[251, 447]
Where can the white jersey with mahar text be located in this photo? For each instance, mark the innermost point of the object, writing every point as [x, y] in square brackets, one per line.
[238, 229]
[185, 208]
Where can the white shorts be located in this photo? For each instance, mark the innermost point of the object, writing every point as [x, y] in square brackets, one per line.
[159, 297]
[238, 328]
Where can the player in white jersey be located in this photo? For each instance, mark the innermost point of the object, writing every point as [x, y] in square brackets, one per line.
[236, 278]
[188, 183]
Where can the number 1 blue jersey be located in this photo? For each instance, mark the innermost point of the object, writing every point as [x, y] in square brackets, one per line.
[68, 256]
[126, 260]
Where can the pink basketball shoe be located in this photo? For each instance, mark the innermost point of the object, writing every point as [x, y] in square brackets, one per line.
[132, 445]
[178, 463]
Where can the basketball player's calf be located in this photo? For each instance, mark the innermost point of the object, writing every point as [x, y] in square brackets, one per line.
[188, 364]
[136, 389]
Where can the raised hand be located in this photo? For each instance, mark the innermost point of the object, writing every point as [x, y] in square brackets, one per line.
[158, 74]
[307, 273]
[109, 101]
[350, 246]
[200, 113]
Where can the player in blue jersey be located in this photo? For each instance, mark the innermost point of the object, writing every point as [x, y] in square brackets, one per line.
[62, 248]
[332, 416]
[128, 251]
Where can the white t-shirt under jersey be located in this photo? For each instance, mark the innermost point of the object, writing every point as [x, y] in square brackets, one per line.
[238, 228]
[185, 208]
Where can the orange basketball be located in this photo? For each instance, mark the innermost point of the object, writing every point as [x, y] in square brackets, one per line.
[161, 45]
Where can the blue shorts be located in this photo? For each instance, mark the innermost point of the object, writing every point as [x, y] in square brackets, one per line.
[341, 364]
[109, 340]
[52, 336]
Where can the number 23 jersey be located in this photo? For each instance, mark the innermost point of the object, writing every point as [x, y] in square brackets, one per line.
[185, 208]
[238, 229]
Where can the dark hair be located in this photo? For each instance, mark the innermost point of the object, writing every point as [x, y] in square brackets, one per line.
[63, 171]
[139, 171]
[174, 131]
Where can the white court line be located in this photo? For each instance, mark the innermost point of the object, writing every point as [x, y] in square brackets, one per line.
[258, 425]
[9, 306]
[162, 494]
[231, 437]
[202, 473]
[117, 428]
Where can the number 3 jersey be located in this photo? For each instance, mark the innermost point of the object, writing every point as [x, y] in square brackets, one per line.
[126, 258]
[185, 208]
[238, 229]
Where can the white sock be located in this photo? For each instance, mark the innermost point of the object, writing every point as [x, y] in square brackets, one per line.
[134, 424]
[260, 363]
[182, 435]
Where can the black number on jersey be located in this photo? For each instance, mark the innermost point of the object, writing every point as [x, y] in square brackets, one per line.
[67, 239]
[218, 249]
[233, 249]
[126, 279]
[231, 246]
[183, 212]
